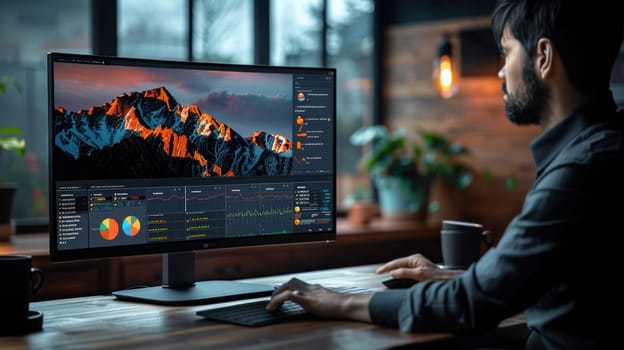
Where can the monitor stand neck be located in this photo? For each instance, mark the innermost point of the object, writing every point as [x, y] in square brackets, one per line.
[180, 288]
[178, 270]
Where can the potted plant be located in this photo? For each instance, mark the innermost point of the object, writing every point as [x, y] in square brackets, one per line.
[10, 137]
[403, 174]
[10, 141]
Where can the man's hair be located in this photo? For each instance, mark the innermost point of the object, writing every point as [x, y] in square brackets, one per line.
[586, 34]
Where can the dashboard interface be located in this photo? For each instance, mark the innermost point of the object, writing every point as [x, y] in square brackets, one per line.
[146, 152]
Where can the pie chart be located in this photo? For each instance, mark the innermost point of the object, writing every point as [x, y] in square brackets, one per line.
[109, 228]
[131, 226]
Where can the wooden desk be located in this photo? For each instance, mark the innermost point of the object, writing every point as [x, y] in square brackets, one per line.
[103, 322]
[379, 242]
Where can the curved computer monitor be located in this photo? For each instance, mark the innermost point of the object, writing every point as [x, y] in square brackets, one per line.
[171, 157]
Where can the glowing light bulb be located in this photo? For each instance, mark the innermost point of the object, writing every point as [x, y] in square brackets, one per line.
[445, 79]
[444, 75]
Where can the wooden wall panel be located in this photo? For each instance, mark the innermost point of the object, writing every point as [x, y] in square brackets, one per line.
[475, 117]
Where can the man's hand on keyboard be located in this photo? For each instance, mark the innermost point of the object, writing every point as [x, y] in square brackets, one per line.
[321, 301]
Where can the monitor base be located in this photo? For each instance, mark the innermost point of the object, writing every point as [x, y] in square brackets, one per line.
[204, 292]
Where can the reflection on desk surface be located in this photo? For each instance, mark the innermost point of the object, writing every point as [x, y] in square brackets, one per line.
[106, 323]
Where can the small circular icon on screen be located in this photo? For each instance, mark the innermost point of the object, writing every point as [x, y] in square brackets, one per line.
[300, 97]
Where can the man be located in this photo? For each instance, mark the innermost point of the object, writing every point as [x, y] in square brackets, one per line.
[556, 261]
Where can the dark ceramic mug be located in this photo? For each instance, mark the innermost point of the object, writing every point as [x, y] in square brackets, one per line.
[461, 243]
[19, 281]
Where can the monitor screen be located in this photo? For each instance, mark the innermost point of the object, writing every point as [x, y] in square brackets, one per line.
[171, 157]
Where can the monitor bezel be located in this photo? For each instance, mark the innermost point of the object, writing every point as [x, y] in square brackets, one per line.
[57, 255]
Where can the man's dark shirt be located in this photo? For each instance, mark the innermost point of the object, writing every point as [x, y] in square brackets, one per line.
[556, 261]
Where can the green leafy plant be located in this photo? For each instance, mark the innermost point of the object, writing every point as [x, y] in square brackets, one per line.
[10, 137]
[403, 173]
[390, 155]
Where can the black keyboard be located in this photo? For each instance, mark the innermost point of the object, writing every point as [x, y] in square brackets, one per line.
[254, 314]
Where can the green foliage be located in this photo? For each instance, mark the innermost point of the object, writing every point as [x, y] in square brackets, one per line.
[10, 138]
[510, 182]
[434, 156]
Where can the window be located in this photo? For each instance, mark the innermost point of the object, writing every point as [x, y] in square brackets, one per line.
[350, 48]
[296, 32]
[222, 31]
[152, 29]
[296, 39]
[28, 30]
[205, 30]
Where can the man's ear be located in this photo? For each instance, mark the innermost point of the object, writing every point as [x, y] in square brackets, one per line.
[544, 58]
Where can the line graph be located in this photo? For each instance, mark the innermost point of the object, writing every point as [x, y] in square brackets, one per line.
[166, 199]
[205, 198]
[261, 208]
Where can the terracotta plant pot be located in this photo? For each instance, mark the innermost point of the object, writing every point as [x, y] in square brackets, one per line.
[361, 213]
